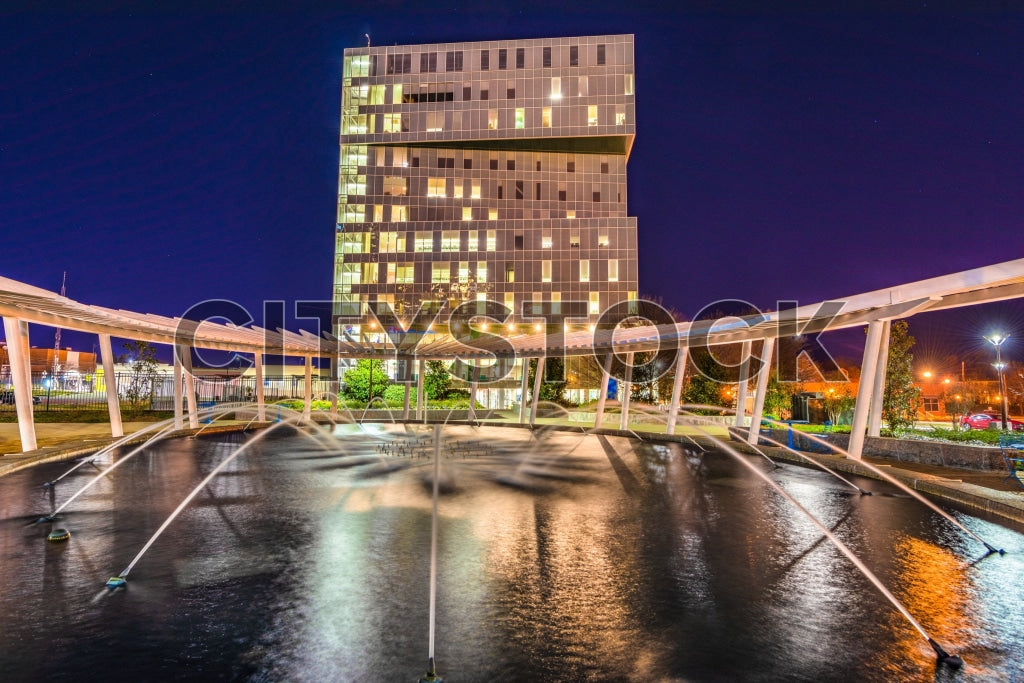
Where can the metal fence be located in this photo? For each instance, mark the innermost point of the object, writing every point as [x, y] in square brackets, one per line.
[84, 392]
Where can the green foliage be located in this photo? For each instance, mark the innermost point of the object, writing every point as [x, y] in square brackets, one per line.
[140, 357]
[901, 399]
[778, 397]
[836, 403]
[553, 386]
[358, 380]
[704, 385]
[437, 381]
[394, 395]
[986, 436]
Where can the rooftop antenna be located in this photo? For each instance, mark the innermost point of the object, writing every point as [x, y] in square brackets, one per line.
[367, 39]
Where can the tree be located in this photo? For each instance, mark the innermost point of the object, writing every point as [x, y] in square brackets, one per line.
[553, 386]
[437, 381]
[358, 380]
[778, 397]
[704, 385]
[140, 357]
[901, 399]
[837, 402]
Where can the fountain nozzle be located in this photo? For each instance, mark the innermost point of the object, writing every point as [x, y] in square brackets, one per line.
[953, 661]
[865, 493]
[431, 675]
[992, 551]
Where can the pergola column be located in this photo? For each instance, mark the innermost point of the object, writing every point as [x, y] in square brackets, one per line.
[179, 421]
[538, 378]
[307, 393]
[627, 389]
[868, 368]
[525, 382]
[113, 403]
[677, 390]
[472, 400]
[421, 404]
[190, 386]
[20, 369]
[763, 373]
[878, 388]
[606, 375]
[741, 389]
[261, 404]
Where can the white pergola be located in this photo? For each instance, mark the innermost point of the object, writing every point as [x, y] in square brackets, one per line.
[22, 304]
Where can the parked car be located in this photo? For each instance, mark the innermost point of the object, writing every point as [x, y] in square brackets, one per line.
[988, 420]
[7, 396]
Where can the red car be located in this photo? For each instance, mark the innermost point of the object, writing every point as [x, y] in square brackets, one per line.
[986, 420]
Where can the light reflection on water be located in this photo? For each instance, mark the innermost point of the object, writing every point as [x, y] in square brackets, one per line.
[561, 557]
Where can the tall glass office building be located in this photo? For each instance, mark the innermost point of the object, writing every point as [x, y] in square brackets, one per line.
[486, 171]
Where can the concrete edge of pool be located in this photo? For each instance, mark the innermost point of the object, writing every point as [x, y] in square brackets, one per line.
[1004, 504]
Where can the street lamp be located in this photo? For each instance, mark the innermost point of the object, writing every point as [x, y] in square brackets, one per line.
[997, 341]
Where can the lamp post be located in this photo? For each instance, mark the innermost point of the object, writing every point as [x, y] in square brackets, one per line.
[997, 341]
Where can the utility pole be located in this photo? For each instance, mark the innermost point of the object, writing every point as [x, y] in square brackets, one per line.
[56, 336]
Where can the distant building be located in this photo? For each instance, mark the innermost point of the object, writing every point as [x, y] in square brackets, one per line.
[487, 170]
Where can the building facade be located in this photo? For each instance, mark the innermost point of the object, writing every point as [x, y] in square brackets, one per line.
[486, 171]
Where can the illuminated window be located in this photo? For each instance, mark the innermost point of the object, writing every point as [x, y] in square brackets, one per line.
[492, 119]
[545, 271]
[436, 187]
[435, 121]
[481, 271]
[492, 240]
[545, 117]
[404, 273]
[510, 271]
[354, 185]
[613, 270]
[441, 273]
[570, 213]
[574, 240]
[395, 186]
[475, 191]
[620, 115]
[584, 270]
[545, 241]
[370, 271]
[602, 241]
[510, 301]
[424, 241]
[471, 241]
[492, 214]
[399, 156]
[377, 94]
[457, 190]
[595, 303]
[378, 213]
[592, 115]
[352, 213]
[399, 213]
[396, 93]
[463, 272]
[556, 302]
[354, 124]
[520, 118]
[353, 243]
[629, 84]
[392, 123]
[450, 240]
[391, 242]
[556, 88]
[467, 213]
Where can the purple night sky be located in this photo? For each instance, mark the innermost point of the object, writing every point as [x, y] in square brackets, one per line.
[165, 157]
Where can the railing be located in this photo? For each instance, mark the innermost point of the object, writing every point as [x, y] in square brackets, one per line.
[74, 392]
